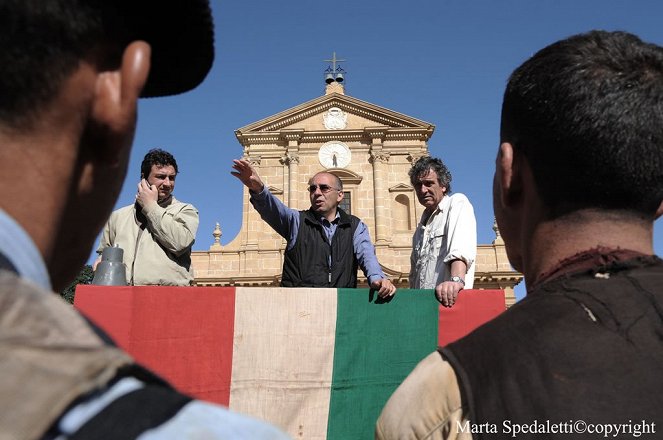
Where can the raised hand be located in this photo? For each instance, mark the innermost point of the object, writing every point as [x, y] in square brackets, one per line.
[147, 194]
[245, 172]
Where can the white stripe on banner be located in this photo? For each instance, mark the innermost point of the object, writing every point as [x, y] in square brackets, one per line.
[283, 362]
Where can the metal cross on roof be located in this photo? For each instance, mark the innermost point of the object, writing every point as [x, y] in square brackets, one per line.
[334, 60]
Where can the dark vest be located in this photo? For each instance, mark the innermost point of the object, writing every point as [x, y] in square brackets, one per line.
[307, 263]
[580, 347]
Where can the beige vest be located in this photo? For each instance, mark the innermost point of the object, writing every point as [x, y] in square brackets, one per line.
[49, 356]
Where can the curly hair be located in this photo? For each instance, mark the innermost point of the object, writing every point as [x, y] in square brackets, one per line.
[158, 157]
[427, 163]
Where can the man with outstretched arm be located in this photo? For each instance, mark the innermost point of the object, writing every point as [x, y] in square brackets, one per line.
[325, 245]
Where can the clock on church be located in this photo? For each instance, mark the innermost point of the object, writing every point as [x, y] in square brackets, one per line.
[334, 154]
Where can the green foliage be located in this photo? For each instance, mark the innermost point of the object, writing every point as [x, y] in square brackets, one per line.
[84, 277]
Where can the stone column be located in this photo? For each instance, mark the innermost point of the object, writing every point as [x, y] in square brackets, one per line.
[380, 158]
[251, 224]
[293, 178]
[291, 159]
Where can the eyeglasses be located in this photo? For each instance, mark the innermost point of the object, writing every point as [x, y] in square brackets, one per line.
[323, 188]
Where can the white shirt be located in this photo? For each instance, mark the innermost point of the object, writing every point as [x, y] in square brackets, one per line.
[449, 233]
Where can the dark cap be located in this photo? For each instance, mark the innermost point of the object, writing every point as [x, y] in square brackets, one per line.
[181, 34]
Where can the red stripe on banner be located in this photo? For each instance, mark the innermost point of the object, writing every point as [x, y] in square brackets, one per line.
[111, 312]
[184, 334]
[472, 309]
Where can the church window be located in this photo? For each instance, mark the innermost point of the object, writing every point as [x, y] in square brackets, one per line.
[346, 203]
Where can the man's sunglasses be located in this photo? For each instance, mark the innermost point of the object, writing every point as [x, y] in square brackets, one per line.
[323, 188]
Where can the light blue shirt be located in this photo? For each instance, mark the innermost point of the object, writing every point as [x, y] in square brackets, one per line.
[285, 221]
[18, 247]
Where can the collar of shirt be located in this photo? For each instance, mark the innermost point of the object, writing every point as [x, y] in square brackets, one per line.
[585, 260]
[18, 247]
[330, 227]
[441, 208]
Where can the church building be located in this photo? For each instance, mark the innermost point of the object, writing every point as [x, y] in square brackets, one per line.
[370, 148]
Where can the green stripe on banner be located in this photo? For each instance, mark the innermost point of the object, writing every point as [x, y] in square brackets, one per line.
[377, 346]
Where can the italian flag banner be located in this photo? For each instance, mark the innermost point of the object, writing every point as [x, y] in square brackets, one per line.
[318, 363]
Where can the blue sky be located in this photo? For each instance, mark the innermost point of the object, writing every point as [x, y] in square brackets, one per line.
[445, 62]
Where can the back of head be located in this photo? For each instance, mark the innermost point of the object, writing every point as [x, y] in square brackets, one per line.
[43, 41]
[587, 114]
[70, 75]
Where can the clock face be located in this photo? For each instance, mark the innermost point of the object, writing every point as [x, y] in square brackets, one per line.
[334, 154]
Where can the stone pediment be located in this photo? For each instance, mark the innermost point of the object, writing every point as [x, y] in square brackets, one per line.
[337, 115]
[401, 187]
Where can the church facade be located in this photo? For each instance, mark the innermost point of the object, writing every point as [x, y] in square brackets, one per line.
[371, 149]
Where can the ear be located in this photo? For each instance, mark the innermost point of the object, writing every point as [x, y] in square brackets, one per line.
[512, 171]
[659, 211]
[117, 93]
[504, 170]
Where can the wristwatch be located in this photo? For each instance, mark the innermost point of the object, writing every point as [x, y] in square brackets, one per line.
[458, 280]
